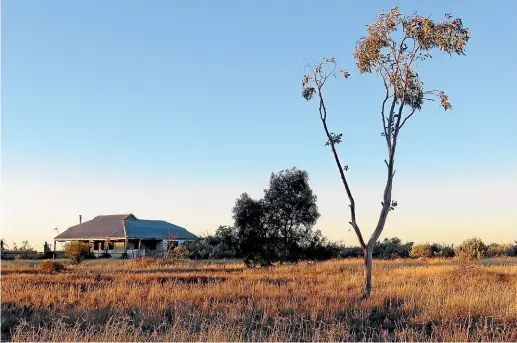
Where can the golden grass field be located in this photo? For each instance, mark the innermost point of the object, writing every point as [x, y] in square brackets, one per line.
[115, 300]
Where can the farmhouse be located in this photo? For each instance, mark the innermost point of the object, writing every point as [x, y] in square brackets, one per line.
[124, 233]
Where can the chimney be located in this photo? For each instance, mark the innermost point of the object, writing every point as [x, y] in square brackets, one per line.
[80, 219]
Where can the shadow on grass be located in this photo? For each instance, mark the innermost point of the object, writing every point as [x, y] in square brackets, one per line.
[382, 323]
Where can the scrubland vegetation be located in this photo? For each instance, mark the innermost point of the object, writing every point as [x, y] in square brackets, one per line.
[146, 300]
[423, 292]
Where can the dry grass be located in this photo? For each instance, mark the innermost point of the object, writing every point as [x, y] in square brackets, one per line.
[113, 300]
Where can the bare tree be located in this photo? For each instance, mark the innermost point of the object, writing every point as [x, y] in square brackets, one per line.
[395, 60]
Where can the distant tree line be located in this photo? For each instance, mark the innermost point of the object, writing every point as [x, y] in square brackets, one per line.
[225, 245]
[25, 246]
[280, 228]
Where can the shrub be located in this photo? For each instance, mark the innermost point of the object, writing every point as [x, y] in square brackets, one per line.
[495, 249]
[351, 252]
[440, 250]
[105, 255]
[49, 266]
[321, 250]
[421, 250]
[390, 248]
[49, 255]
[77, 251]
[472, 248]
[209, 247]
[17, 257]
[513, 250]
[183, 251]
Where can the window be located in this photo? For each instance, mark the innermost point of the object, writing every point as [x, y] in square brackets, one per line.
[151, 245]
[102, 245]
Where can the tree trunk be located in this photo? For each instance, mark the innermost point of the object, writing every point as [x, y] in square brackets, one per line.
[368, 263]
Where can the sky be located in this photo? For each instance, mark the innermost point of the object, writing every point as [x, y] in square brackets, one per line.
[171, 109]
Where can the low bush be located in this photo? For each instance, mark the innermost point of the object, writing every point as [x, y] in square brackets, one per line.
[513, 251]
[495, 250]
[440, 250]
[392, 248]
[472, 248]
[105, 255]
[50, 266]
[77, 251]
[350, 252]
[49, 255]
[421, 250]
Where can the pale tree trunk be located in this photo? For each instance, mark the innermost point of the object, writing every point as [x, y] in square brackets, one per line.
[387, 203]
[368, 249]
[368, 264]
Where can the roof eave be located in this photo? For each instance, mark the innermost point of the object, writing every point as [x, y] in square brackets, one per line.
[60, 239]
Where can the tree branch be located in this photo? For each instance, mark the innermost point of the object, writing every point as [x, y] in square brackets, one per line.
[388, 138]
[386, 204]
[409, 116]
[323, 116]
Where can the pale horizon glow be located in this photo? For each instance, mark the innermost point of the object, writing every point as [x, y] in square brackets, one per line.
[171, 110]
[444, 211]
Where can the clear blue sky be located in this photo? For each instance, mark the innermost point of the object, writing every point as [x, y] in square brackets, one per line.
[210, 92]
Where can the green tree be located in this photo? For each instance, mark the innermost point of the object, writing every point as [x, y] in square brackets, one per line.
[255, 238]
[391, 49]
[291, 210]
[279, 225]
[228, 235]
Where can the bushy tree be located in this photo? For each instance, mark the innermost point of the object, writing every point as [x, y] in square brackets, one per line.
[229, 238]
[391, 49]
[290, 211]
[278, 226]
[472, 248]
[256, 240]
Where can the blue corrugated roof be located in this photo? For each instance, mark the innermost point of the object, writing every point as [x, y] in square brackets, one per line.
[142, 228]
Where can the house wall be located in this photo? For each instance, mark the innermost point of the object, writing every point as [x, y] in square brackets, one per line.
[118, 246]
